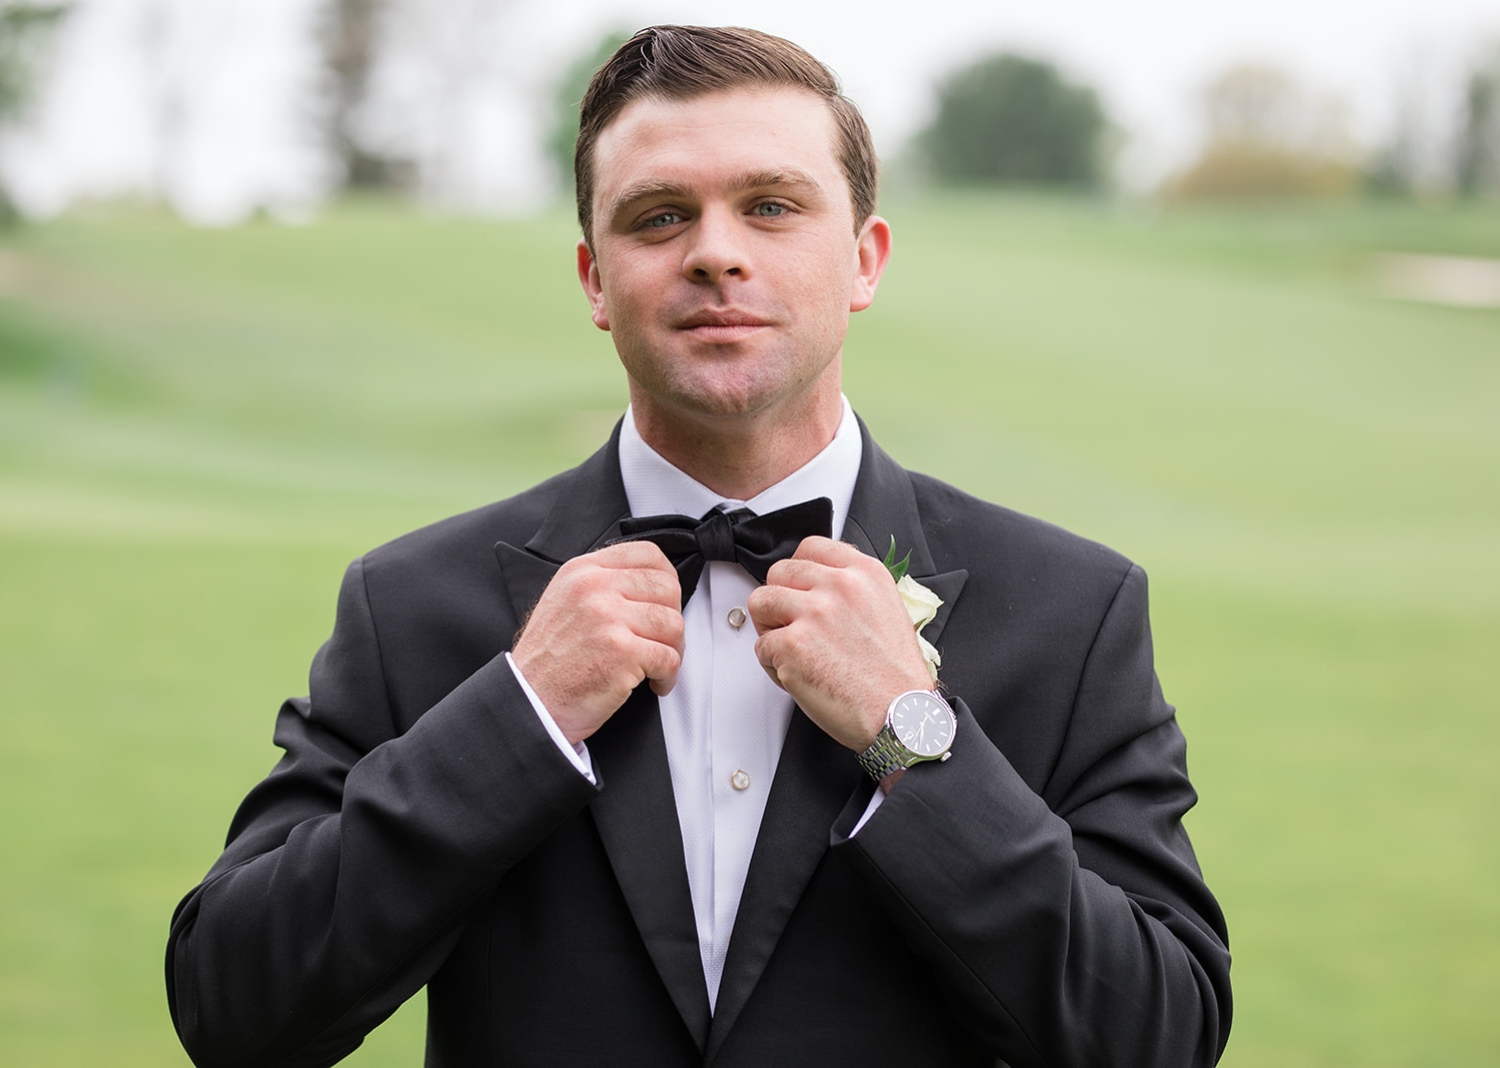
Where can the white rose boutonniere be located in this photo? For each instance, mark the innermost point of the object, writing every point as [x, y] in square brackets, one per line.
[921, 605]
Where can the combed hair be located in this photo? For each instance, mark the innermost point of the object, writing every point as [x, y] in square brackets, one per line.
[682, 62]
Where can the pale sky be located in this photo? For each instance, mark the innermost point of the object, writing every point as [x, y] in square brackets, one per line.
[228, 83]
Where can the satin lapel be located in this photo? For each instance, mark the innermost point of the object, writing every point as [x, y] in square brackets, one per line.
[885, 507]
[588, 503]
[947, 585]
[634, 812]
[816, 777]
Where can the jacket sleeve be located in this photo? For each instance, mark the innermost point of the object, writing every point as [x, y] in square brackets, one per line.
[351, 868]
[1069, 926]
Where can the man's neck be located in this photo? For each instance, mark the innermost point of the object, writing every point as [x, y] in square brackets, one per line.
[741, 456]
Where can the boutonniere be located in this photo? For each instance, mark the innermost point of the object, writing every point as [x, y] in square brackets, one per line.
[921, 604]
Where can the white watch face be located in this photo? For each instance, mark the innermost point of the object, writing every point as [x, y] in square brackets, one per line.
[923, 724]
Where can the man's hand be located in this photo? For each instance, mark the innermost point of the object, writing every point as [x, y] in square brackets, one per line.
[835, 635]
[606, 621]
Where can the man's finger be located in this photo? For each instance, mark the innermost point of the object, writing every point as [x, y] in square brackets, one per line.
[628, 554]
[655, 622]
[769, 649]
[796, 574]
[661, 664]
[826, 551]
[648, 585]
[773, 607]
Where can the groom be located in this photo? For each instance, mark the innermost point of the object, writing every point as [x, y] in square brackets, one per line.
[648, 766]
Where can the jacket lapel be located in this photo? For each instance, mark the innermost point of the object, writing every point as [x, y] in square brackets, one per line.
[634, 811]
[816, 776]
[636, 815]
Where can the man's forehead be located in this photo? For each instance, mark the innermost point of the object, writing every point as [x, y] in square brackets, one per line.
[795, 114]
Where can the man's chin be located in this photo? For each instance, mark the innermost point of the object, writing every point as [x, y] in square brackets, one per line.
[719, 406]
[724, 396]
[725, 393]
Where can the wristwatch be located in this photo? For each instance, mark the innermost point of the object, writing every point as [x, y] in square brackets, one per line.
[919, 726]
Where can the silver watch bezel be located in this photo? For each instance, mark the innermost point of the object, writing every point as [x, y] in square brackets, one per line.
[889, 754]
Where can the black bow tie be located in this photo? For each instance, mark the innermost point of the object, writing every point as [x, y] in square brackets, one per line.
[755, 542]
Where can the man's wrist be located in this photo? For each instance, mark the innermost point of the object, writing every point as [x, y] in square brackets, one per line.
[919, 726]
[919, 680]
[577, 753]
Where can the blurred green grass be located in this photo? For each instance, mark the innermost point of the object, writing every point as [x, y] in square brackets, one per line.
[199, 428]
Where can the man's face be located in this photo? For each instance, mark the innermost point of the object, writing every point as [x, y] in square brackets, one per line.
[725, 259]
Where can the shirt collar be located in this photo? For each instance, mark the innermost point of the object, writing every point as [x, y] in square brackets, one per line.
[653, 486]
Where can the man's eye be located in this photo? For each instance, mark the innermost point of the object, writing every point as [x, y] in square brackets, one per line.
[769, 209]
[666, 218]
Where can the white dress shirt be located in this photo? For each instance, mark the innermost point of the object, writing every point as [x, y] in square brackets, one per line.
[725, 720]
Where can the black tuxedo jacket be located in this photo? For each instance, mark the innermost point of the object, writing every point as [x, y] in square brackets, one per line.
[1033, 900]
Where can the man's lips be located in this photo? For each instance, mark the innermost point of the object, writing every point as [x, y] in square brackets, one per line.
[721, 326]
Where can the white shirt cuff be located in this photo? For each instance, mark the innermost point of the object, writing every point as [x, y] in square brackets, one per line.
[875, 802]
[578, 754]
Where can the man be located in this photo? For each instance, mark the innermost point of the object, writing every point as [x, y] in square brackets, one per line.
[549, 772]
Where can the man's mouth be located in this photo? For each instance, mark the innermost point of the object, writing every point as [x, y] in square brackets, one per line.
[722, 326]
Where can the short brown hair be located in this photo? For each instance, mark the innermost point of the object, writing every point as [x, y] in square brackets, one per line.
[681, 62]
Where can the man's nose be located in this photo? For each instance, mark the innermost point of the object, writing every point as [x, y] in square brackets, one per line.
[716, 249]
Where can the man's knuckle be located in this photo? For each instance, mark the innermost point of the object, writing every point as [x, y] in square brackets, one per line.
[614, 643]
[665, 660]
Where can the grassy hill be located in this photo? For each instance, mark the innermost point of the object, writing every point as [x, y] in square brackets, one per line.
[198, 429]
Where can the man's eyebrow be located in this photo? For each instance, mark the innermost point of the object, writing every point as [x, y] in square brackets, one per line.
[660, 189]
[776, 179]
[650, 189]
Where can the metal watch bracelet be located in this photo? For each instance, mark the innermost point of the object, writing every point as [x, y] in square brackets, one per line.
[885, 755]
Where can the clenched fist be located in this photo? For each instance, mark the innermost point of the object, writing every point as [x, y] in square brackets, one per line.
[834, 633]
[606, 621]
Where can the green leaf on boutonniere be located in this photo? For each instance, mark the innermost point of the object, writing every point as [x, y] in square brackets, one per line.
[921, 605]
[895, 567]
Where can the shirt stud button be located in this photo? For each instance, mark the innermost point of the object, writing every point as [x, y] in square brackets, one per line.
[737, 620]
[740, 780]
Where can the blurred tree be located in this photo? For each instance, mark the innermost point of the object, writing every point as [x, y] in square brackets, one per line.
[1479, 133]
[25, 31]
[1393, 170]
[1390, 173]
[451, 94]
[352, 34]
[1014, 119]
[565, 100]
[1268, 136]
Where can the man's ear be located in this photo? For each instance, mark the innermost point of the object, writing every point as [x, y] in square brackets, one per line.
[588, 274]
[874, 250]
